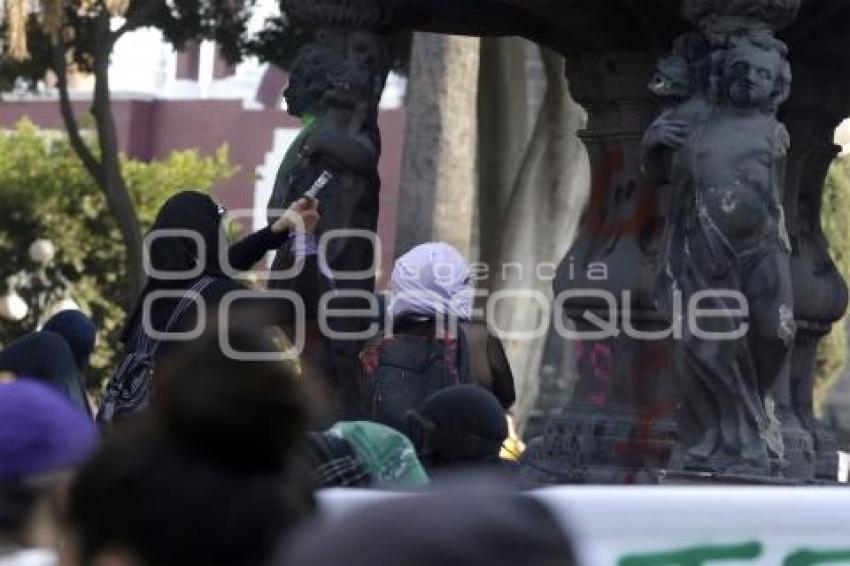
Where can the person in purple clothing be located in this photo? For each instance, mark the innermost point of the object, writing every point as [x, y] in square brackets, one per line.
[43, 439]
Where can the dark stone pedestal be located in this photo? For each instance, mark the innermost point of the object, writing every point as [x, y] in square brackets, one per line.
[542, 467]
[585, 446]
[668, 477]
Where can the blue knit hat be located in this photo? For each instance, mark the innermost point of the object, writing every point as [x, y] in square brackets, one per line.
[78, 331]
[40, 431]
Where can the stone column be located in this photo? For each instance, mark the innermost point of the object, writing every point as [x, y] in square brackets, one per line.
[620, 421]
[438, 177]
[817, 105]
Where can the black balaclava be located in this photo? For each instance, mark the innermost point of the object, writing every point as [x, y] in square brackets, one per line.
[463, 425]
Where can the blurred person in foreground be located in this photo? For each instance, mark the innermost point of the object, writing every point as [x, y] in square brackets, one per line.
[465, 526]
[206, 479]
[46, 356]
[43, 438]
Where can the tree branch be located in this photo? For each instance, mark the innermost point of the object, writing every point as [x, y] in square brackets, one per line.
[60, 67]
[114, 186]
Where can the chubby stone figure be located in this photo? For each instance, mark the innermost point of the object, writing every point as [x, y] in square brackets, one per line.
[335, 88]
[723, 152]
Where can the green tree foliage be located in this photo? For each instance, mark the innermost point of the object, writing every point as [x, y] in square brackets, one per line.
[832, 352]
[46, 193]
[67, 36]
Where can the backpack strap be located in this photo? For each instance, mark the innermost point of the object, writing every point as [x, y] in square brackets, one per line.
[488, 363]
[148, 345]
[476, 340]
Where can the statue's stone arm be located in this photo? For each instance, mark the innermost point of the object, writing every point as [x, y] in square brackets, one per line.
[664, 136]
[783, 142]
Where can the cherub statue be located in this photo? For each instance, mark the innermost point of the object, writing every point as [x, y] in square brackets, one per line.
[335, 87]
[334, 98]
[725, 153]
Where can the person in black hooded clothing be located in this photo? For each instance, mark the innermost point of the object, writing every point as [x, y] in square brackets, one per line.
[206, 477]
[178, 270]
[46, 356]
[198, 213]
[79, 332]
[460, 428]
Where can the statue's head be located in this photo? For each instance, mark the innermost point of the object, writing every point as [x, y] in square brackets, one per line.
[340, 65]
[309, 78]
[753, 72]
[366, 65]
[672, 80]
[696, 50]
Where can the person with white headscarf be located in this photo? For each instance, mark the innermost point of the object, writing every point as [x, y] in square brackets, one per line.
[427, 316]
[431, 342]
[432, 280]
[435, 280]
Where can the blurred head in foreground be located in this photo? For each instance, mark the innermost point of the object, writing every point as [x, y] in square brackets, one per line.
[206, 480]
[43, 438]
[472, 527]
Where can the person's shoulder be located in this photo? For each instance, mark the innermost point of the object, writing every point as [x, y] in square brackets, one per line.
[217, 288]
[224, 284]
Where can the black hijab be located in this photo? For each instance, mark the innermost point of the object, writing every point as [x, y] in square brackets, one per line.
[194, 212]
[46, 357]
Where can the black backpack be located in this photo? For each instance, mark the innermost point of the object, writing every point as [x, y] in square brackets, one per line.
[398, 373]
[130, 388]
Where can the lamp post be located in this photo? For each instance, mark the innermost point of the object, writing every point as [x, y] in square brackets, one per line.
[32, 295]
[12, 306]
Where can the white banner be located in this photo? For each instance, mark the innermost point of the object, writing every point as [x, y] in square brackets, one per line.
[687, 526]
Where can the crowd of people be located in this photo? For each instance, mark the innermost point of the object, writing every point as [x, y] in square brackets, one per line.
[206, 450]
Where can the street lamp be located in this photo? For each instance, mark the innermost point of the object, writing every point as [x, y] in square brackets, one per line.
[42, 252]
[13, 307]
[37, 294]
